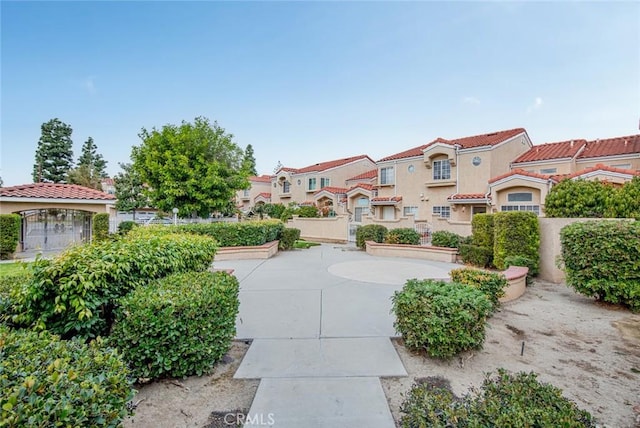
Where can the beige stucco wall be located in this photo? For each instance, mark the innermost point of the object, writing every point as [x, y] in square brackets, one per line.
[398, 222]
[462, 228]
[409, 185]
[562, 167]
[256, 188]
[503, 154]
[16, 207]
[613, 161]
[448, 255]
[331, 229]
[538, 188]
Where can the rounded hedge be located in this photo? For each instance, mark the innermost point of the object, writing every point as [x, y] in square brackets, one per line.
[490, 283]
[178, 326]
[9, 234]
[446, 239]
[46, 381]
[288, 238]
[403, 235]
[370, 232]
[441, 318]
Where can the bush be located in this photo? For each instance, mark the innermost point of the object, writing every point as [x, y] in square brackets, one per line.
[444, 238]
[100, 227]
[476, 255]
[490, 283]
[9, 234]
[602, 259]
[46, 381]
[307, 211]
[517, 233]
[403, 235]
[624, 203]
[11, 285]
[521, 261]
[441, 318]
[75, 293]
[370, 232]
[578, 199]
[504, 400]
[289, 237]
[178, 326]
[482, 227]
[274, 210]
[244, 234]
[126, 226]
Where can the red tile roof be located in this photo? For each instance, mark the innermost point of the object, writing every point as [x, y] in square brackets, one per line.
[54, 191]
[323, 166]
[107, 181]
[389, 199]
[334, 190]
[560, 150]
[612, 147]
[457, 196]
[365, 175]
[261, 178]
[411, 153]
[364, 186]
[265, 195]
[519, 172]
[601, 167]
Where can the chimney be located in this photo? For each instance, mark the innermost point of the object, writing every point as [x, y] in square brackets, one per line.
[571, 145]
[626, 142]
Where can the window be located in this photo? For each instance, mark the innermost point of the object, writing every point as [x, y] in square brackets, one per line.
[520, 197]
[441, 170]
[245, 193]
[410, 211]
[443, 212]
[312, 184]
[286, 187]
[622, 166]
[386, 175]
[548, 170]
[411, 169]
[533, 208]
[363, 202]
[324, 182]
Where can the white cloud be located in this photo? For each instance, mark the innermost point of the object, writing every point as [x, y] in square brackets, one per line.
[470, 100]
[89, 85]
[537, 104]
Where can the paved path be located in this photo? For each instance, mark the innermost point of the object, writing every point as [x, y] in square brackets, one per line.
[320, 322]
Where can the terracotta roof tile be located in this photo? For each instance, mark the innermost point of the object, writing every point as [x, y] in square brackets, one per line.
[365, 175]
[416, 151]
[261, 178]
[519, 172]
[612, 147]
[108, 181]
[559, 150]
[334, 190]
[54, 191]
[307, 204]
[265, 195]
[457, 196]
[602, 167]
[388, 199]
[364, 186]
[323, 166]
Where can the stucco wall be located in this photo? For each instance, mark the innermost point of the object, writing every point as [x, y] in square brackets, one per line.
[462, 228]
[331, 229]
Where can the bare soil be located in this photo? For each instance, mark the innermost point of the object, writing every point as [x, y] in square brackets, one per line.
[589, 349]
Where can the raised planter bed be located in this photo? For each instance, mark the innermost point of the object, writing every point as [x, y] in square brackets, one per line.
[517, 279]
[264, 251]
[438, 254]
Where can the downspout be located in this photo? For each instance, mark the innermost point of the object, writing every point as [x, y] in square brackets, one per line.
[457, 147]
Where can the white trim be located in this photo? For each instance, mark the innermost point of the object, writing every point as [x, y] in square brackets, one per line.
[520, 176]
[609, 158]
[58, 200]
[604, 172]
[365, 158]
[381, 164]
[438, 145]
[495, 146]
[485, 201]
[537, 163]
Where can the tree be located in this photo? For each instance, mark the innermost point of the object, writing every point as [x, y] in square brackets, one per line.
[249, 161]
[91, 167]
[54, 155]
[195, 167]
[129, 190]
[578, 198]
[625, 202]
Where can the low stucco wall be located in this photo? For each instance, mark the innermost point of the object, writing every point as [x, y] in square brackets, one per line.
[437, 254]
[390, 224]
[462, 228]
[265, 251]
[517, 279]
[329, 229]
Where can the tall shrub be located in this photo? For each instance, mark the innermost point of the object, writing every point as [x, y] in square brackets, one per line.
[403, 235]
[482, 230]
[577, 198]
[516, 233]
[100, 227]
[9, 234]
[444, 238]
[370, 232]
[602, 260]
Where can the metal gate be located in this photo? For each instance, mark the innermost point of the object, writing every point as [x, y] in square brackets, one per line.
[424, 229]
[48, 229]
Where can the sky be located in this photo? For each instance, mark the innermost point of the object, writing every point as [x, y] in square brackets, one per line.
[306, 82]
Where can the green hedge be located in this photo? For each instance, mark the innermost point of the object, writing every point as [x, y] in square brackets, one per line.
[505, 400]
[516, 233]
[126, 226]
[490, 283]
[243, 234]
[48, 382]
[9, 234]
[446, 239]
[288, 239]
[602, 259]
[476, 255]
[11, 285]
[307, 211]
[403, 235]
[75, 293]
[100, 227]
[441, 318]
[370, 232]
[178, 326]
[482, 230]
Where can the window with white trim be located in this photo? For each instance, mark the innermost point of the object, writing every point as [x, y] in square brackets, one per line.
[442, 212]
[311, 183]
[520, 197]
[442, 169]
[548, 170]
[622, 166]
[245, 193]
[531, 208]
[324, 182]
[410, 211]
[286, 187]
[387, 176]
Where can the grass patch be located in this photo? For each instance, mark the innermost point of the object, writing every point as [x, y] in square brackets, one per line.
[302, 244]
[11, 268]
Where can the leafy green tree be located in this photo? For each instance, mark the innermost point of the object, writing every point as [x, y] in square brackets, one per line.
[195, 167]
[83, 175]
[578, 198]
[249, 161]
[129, 190]
[625, 202]
[54, 155]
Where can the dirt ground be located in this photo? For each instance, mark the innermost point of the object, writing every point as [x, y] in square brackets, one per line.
[590, 350]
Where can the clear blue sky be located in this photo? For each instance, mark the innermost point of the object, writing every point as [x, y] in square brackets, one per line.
[309, 82]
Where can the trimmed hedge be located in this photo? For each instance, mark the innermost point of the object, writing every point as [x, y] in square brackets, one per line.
[483, 230]
[441, 318]
[243, 234]
[11, 285]
[403, 235]
[504, 400]
[9, 234]
[46, 381]
[178, 326]
[75, 293]
[307, 211]
[288, 239]
[370, 232]
[602, 260]
[446, 239]
[100, 227]
[516, 233]
[476, 255]
[490, 283]
[126, 226]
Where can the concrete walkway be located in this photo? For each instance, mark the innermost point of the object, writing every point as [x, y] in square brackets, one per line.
[320, 322]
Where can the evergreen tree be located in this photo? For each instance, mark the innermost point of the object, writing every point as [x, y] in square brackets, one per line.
[129, 190]
[91, 167]
[249, 161]
[54, 155]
